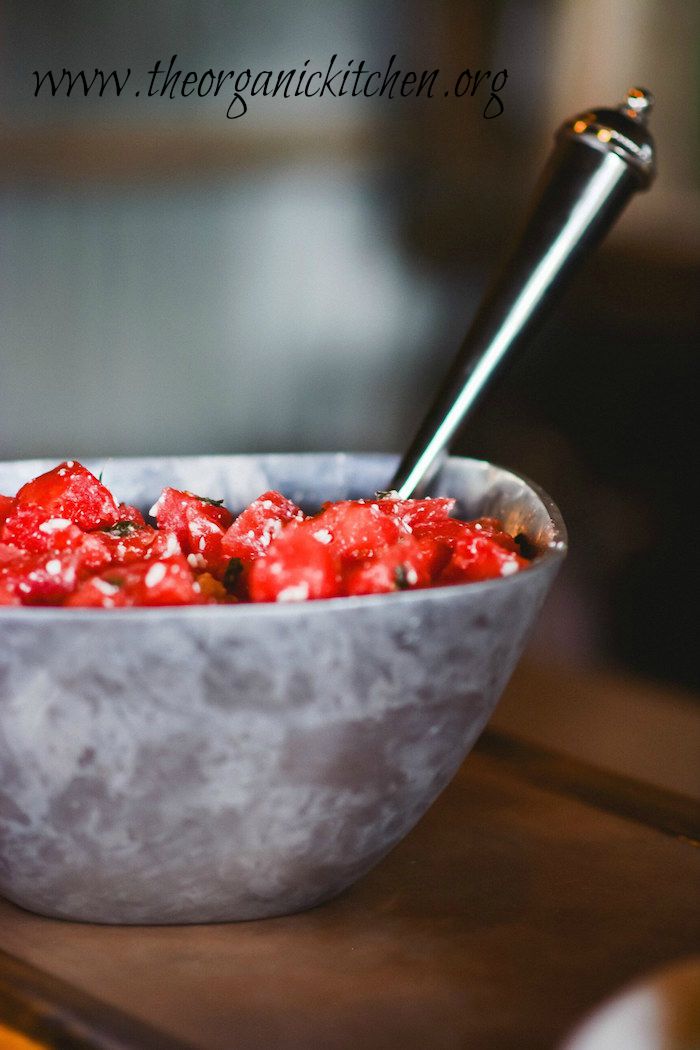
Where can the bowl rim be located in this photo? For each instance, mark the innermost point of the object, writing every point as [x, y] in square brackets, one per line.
[554, 552]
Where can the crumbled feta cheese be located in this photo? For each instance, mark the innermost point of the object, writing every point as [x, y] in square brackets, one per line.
[155, 574]
[104, 587]
[53, 567]
[322, 535]
[508, 568]
[172, 546]
[55, 525]
[298, 592]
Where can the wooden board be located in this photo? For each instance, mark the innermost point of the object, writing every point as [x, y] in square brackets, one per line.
[510, 910]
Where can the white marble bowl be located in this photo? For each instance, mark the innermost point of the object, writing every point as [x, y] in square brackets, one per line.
[216, 763]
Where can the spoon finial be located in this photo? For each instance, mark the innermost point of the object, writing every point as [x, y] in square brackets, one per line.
[640, 101]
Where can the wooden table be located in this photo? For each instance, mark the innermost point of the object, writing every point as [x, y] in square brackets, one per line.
[535, 886]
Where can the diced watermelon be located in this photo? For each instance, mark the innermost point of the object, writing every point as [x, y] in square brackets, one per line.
[353, 529]
[141, 583]
[7, 505]
[416, 512]
[71, 491]
[198, 523]
[410, 564]
[295, 568]
[254, 529]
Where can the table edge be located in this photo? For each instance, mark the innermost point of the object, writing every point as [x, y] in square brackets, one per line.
[666, 811]
[56, 1013]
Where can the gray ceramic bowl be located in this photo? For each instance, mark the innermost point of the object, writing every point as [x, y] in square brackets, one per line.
[219, 763]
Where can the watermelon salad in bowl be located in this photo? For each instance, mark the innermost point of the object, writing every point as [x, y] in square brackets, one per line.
[230, 684]
[65, 540]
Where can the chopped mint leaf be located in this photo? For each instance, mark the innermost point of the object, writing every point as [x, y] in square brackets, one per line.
[123, 528]
[115, 579]
[401, 578]
[525, 547]
[205, 499]
[232, 574]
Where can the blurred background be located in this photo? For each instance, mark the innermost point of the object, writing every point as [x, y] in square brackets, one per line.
[172, 281]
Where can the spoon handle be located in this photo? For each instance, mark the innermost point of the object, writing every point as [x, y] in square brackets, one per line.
[600, 159]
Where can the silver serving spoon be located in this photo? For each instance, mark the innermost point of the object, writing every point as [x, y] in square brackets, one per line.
[600, 159]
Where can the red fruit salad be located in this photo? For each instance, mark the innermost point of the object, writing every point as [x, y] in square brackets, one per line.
[64, 540]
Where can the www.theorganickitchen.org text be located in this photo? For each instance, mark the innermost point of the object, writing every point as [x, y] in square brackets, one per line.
[334, 79]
